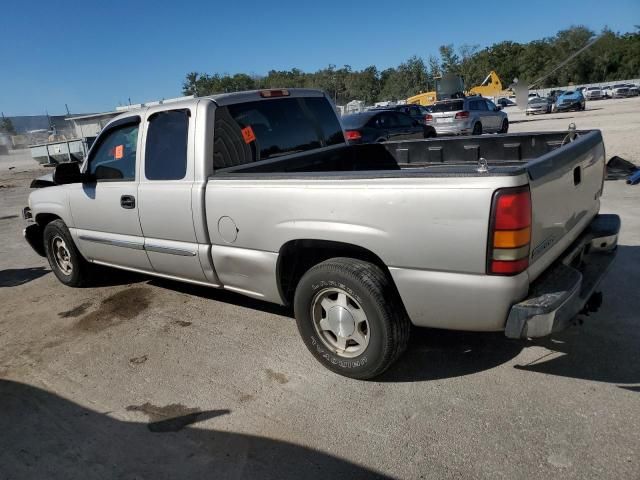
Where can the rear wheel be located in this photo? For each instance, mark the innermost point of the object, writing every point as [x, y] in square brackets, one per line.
[64, 258]
[477, 129]
[505, 126]
[350, 317]
[429, 132]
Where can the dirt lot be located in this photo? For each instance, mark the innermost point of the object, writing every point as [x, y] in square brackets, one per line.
[142, 378]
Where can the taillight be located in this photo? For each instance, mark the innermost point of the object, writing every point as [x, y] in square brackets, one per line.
[428, 118]
[509, 231]
[464, 114]
[352, 135]
[274, 93]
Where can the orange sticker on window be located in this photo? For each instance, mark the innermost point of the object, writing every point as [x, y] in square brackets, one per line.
[248, 135]
[119, 152]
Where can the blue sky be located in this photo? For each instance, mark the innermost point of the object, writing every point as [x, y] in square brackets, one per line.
[95, 55]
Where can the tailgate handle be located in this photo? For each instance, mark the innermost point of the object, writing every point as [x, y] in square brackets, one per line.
[577, 175]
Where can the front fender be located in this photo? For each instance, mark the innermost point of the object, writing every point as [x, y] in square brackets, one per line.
[51, 201]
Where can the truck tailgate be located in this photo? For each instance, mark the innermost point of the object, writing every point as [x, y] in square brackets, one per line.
[566, 185]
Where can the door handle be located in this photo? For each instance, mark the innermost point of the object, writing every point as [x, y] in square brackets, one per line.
[128, 201]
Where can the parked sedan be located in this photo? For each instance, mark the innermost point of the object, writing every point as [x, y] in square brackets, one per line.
[506, 102]
[382, 125]
[633, 90]
[572, 100]
[467, 116]
[538, 105]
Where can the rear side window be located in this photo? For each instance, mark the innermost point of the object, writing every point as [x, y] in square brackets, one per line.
[448, 106]
[404, 120]
[166, 148]
[254, 131]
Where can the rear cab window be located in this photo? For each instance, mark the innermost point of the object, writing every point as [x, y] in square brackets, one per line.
[265, 129]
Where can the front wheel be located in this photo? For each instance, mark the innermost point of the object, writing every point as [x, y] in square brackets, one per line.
[505, 126]
[477, 129]
[350, 317]
[64, 258]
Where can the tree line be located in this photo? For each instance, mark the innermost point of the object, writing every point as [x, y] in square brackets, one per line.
[614, 56]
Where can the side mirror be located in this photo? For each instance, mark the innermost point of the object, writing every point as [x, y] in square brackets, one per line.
[498, 108]
[68, 172]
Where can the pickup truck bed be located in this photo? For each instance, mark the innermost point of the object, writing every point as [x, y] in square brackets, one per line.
[258, 193]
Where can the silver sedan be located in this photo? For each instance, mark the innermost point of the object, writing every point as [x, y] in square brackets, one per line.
[538, 105]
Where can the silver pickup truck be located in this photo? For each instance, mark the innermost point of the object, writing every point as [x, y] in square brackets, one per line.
[258, 193]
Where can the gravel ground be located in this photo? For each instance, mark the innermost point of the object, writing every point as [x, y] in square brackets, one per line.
[143, 379]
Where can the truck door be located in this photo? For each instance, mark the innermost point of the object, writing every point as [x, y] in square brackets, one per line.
[165, 193]
[105, 211]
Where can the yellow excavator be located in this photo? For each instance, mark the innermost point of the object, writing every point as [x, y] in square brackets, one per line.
[451, 85]
[490, 86]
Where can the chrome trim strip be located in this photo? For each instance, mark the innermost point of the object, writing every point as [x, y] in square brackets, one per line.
[139, 246]
[170, 250]
[112, 242]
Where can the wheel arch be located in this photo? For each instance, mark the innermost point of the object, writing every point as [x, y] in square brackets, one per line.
[43, 219]
[297, 256]
[34, 233]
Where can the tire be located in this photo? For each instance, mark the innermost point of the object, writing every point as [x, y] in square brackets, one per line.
[64, 258]
[505, 126]
[477, 129]
[367, 309]
[429, 132]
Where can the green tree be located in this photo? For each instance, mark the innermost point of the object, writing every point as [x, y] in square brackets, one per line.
[449, 59]
[612, 57]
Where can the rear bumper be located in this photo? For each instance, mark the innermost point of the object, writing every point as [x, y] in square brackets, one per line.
[564, 289]
[455, 128]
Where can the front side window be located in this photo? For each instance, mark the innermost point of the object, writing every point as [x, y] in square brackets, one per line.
[165, 156]
[115, 155]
